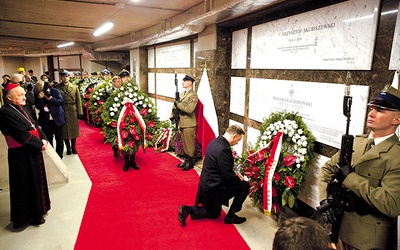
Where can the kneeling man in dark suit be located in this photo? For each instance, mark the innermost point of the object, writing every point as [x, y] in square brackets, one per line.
[218, 182]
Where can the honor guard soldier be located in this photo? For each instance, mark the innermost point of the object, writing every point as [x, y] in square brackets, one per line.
[372, 181]
[125, 75]
[187, 121]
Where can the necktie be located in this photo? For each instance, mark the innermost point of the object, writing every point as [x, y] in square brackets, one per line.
[370, 144]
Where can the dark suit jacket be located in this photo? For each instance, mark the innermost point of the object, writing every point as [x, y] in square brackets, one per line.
[54, 106]
[376, 180]
[217, 173]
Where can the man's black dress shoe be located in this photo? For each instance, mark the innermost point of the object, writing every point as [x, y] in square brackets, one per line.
[182, 164]
[135, 166]
[37, 222]
[68, 151]
[19, 227]
[125, 168]
[184, 212]
[234, 219]
[74, 151]
[187, 167]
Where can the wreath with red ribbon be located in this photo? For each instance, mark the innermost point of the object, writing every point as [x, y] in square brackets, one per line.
[291, 164]
[134, 131]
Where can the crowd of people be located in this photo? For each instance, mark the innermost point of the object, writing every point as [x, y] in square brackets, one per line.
[370, 182]
[35, 112]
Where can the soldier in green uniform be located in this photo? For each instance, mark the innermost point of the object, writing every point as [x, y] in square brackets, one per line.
[373, 179]
[187, 121]
[73, 108]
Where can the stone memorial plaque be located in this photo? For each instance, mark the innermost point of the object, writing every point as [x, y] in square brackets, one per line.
[165, 84]
[320, 105]
[175, 56]
[340, 36]
[239, 49]
[238, 92]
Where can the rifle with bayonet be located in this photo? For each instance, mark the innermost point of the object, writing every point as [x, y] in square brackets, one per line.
[332, 208]
[175, 110]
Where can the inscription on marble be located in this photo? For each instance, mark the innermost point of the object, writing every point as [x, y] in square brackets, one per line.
[175, 56]
[320, 105]
[340, 36]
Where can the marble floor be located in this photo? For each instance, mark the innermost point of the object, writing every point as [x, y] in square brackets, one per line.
[68, 204]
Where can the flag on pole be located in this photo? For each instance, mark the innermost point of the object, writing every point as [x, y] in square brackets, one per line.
[206, 116]
[395, 82]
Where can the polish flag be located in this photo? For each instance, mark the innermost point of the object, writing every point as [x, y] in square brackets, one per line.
[207, 122]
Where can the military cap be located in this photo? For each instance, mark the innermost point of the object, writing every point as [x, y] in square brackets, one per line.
[77, 73]
[123, 73]
[64, 73]
[188, 78]
[94, 73]
[388, 98]
[105, 72]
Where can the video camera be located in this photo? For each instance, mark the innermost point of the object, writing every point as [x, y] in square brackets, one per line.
[46, 89]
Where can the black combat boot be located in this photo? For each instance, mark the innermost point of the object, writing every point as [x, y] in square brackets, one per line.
[68, 145]
[182, 164]
[189, 165]
[115, 150]
[132, 162]
[73, 148]
[126, 162]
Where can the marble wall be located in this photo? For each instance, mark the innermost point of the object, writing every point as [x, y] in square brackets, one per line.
[221, 69]
[376, 78]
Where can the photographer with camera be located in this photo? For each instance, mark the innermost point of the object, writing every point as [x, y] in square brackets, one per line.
[371, 200]
[51, 115]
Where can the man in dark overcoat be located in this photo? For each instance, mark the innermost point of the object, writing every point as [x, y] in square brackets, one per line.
[372, 181]
[29, 197]
[218, 182]
[73, 109]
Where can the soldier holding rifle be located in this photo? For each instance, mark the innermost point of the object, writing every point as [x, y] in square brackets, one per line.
[371, 200]
[186, 106]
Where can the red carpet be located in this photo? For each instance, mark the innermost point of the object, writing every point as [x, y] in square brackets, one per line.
[138, 209]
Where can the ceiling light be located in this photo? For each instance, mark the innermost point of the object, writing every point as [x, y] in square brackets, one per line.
[65, 44]
[103, 29]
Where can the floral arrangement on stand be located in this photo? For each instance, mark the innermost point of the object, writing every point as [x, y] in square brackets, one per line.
[295, 154]
[89, 83]
[130, 124]
[85, 90]
[163, 138]
[96, 100]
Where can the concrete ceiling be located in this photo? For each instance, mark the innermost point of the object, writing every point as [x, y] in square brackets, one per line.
[36, 27]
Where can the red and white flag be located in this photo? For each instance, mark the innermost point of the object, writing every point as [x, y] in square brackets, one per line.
[206, 116]
[395, 84]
